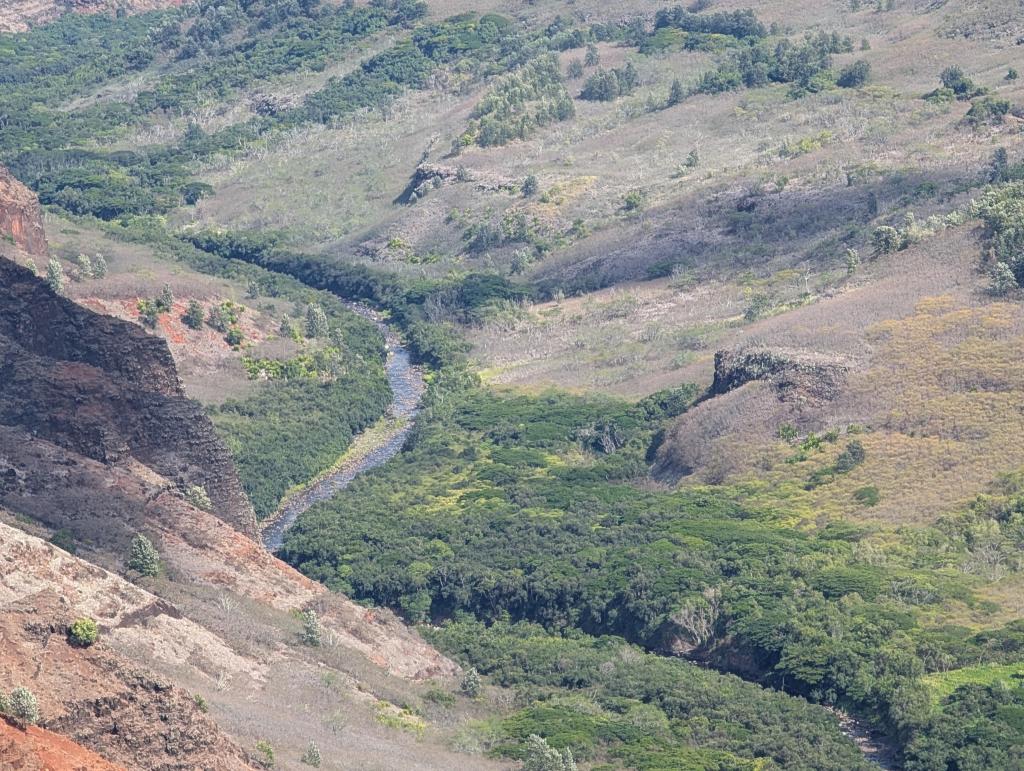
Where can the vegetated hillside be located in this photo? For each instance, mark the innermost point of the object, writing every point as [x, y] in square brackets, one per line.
[220, 621]
[779, 205]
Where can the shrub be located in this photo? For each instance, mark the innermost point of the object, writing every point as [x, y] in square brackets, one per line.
[954, 79]
[530, 186]
[200, 703]
[1011, 74]
[83, 633]
[593, 57]
[886, 239]
[234, 337]
[264, 754]
[575, 69]
[23, 705]
[854, 75]
[987, 111]
[99, 266]
[311, 757]
[633, 200]
[198, 497]
[866, 496]
[439, 696]
[1002, 281]
[143, 557]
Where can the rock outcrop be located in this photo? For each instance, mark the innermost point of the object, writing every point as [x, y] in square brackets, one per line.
[21, 219]
[795, 375]
[105, 389]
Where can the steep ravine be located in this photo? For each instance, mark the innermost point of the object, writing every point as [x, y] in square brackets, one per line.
[407, 386]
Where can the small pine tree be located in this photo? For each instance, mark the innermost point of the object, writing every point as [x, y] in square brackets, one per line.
[166, 298]
[676, 94]
[99, 266]
[1011, 74]
[23, 705]
[143, 557]
[84, 265]
[316, 321]
[852, 261]
[311, 757]
[575, 69]
[194, 314]
[593, 58]
[312, 632]
[471, 684]
[530, 186]
[55, 275]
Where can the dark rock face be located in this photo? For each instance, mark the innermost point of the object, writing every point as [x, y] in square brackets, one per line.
[20, 216]
[796, 376]
[105, 389]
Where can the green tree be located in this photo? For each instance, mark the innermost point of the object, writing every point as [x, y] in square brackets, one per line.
[311, 757]
[316, 321]
[593, 57]
[55, 275]
[575, 69]
[854, 75]
[234, 336]
[312, 632]
[194, 315]
[83, 632]
[471, 684]
[530, 186]
[166, 299]
[23, 705]
[143, 557]
[99, 266]
[1002, 281]
[1011, 74]
[676, 93]
[541, 756]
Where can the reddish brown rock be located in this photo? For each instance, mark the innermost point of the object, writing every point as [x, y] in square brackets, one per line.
[21, 219]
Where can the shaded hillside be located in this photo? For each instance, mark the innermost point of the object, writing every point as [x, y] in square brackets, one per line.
[105, 389]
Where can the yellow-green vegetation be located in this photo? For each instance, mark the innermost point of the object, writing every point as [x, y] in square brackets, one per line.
[943, 684]
[401, 718]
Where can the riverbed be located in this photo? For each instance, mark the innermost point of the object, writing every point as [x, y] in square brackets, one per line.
[407, 387]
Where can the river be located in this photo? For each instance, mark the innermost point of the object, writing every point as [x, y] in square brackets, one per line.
[407, 386]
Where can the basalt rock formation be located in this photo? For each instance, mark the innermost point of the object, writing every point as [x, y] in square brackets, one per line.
[105, 389]
[794, 375]
[21, 219]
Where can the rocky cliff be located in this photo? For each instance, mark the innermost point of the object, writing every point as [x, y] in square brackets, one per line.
[19, 15]
[21, 219]
[105, 389]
